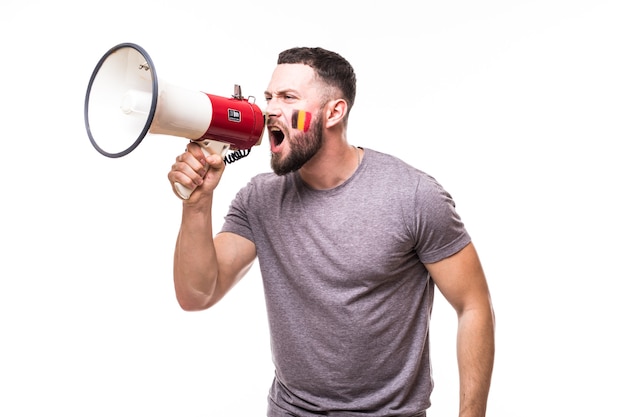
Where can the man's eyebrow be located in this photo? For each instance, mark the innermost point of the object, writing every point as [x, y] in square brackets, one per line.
[280, 92]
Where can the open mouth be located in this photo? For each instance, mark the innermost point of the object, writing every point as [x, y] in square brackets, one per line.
[276, 135]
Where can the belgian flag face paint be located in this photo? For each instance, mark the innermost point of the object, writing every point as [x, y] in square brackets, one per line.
[301, 120]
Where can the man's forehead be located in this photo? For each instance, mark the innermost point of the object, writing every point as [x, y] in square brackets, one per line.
[291, 77]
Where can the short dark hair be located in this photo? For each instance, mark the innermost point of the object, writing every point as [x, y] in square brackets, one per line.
[329, 66]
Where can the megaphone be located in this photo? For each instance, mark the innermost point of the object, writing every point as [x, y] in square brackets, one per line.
[125, 101]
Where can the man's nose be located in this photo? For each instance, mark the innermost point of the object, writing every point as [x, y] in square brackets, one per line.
[272, 110]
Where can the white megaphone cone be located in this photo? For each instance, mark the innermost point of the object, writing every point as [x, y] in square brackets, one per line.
[125, 101]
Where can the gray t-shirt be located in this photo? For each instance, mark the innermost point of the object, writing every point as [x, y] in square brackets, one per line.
[347, 294]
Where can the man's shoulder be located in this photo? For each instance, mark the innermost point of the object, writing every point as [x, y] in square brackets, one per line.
[393, 166]
[268, 179]
[266, 183]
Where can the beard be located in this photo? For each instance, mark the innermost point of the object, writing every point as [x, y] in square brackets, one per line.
[302, 147]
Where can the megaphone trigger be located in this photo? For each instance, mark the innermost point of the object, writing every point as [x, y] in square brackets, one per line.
[208, 147]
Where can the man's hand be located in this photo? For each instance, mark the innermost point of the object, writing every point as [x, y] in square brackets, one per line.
[196, 169]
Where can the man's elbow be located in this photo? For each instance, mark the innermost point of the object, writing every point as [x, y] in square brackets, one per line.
[196, 301]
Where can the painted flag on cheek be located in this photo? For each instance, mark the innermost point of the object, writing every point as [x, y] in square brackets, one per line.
[301, 120]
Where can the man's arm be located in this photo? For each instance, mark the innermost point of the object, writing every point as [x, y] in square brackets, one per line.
[461, 280]
[205, 268]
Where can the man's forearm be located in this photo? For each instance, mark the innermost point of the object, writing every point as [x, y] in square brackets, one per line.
[195, 264]
[475, 352]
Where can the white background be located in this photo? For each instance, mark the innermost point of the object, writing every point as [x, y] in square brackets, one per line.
[516, 107]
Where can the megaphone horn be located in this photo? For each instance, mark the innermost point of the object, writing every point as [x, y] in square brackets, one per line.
[125, 101]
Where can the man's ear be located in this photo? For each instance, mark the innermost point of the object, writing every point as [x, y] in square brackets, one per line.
[335, 112]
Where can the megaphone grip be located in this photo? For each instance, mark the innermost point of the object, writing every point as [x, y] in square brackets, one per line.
[209, 147]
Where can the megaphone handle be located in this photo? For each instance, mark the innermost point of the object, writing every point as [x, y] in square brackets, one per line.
[209, 147]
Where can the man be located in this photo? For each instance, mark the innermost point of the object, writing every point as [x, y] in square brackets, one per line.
[350, 243]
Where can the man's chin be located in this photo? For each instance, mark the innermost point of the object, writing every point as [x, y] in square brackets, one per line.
[276, 164]
[283, 166]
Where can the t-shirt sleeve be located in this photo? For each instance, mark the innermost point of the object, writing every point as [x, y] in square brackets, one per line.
[440, 233]
[236, 219]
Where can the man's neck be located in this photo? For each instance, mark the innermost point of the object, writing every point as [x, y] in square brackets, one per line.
[331, 166]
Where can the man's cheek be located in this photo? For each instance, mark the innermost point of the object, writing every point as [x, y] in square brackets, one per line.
[301, 120]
